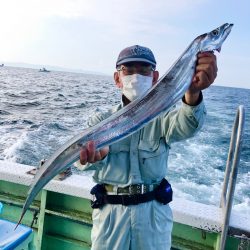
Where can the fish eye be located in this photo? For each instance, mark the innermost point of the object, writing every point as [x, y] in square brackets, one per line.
[215, 32]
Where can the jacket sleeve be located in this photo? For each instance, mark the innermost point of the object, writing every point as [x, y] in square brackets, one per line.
[183, 123]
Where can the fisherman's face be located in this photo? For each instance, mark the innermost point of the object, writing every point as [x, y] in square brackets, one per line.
[131, 68]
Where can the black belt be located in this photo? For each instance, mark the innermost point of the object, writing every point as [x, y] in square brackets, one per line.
[131, 189]
[127, 200]
[162, 193]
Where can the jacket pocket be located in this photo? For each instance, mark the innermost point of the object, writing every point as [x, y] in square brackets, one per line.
[117, 168]
[153, 155]
[117, 148]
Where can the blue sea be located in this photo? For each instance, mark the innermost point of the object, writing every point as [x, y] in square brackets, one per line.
[40, 111]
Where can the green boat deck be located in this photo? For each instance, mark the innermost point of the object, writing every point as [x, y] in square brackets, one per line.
[60, 216]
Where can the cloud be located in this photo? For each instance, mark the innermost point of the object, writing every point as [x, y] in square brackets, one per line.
[98, 9]
[23, 22]
[30, 26]
[132, 13]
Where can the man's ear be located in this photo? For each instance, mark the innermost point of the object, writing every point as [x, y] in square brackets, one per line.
[155, 76]
[117, 79]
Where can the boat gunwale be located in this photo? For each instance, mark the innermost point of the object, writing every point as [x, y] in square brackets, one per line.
[191, 213]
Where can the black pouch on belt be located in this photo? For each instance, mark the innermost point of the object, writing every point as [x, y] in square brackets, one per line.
[164, 192]
[98, 191]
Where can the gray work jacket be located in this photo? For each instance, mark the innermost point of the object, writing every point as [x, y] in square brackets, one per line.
[142, 157]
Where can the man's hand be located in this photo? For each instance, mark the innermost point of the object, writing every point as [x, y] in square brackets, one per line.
[205, 74]
[91, 155]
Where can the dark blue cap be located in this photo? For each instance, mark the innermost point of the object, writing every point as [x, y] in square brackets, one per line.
[136, 53]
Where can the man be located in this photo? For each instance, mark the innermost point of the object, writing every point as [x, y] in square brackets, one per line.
[131, 211]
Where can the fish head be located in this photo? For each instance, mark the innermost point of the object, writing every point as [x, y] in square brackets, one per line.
[213, 40]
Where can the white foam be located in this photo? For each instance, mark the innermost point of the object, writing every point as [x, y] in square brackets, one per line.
[243, 207]
[13, 145]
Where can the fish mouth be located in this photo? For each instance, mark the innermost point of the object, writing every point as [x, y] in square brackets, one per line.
[226, 31]
[228, 27]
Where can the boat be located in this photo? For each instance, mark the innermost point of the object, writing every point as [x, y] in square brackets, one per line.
[44, 70]
[60, 216]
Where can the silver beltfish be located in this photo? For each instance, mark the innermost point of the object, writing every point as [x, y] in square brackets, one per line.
[160, 98]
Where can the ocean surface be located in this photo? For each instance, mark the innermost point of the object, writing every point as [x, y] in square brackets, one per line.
[40, 111]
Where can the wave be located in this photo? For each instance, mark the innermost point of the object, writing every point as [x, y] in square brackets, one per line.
[3, 112]
[27, 104]
[76, 106]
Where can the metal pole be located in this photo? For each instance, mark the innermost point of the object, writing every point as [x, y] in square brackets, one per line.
[234, 153]
[228, 165]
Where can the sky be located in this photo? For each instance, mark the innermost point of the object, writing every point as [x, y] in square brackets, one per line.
[89, 34]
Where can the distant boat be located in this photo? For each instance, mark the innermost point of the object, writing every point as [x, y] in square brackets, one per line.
[1, 65]
[43, 70]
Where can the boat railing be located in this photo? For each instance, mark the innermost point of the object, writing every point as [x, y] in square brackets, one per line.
[231, 172]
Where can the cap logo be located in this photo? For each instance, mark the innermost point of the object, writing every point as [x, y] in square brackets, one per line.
[137, 51]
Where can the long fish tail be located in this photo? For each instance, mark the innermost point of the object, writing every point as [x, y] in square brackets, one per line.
[19, 222]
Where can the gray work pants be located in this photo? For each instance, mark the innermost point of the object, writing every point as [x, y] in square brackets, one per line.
[145, 226]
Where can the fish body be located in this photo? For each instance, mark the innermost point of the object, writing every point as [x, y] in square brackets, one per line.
[160, 98]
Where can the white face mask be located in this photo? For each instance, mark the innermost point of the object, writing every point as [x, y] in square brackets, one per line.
[135, 85]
